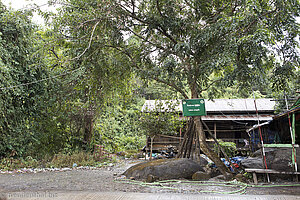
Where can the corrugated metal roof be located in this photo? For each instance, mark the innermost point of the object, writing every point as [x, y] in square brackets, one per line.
[285, 114]
[236, 117]
[216, 105]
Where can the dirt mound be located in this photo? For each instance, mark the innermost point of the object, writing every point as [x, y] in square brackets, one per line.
[164, 169]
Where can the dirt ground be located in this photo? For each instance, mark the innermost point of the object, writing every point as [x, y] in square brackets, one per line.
[104, 180]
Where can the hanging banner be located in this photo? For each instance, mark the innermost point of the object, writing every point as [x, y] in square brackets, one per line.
[193, 107]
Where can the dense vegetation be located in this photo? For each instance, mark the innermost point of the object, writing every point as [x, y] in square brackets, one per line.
[83, 78]
[23, 106]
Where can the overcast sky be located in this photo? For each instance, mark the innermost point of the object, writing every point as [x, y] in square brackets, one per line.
[18, 4]
[21, 4]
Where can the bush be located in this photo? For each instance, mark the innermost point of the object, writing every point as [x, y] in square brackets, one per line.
[12, 163]
[59, 160]
[67, 160]
[229, 148]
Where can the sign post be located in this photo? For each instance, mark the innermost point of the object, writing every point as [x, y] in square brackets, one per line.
[193, 107]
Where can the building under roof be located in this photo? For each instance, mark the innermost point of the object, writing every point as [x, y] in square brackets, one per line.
[279, 129]
[228, 119]
[221, 109]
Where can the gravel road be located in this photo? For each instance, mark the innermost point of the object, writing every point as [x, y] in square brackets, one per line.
[102, 180]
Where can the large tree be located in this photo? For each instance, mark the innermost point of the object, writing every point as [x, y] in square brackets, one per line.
[190, 45]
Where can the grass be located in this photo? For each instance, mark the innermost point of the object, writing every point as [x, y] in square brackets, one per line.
[57, 161]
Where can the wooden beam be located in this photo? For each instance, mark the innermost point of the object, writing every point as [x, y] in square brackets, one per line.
[280, 145]
[269, 171]
[229, 130]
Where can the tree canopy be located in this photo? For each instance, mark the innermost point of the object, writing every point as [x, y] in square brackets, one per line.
[191, 46]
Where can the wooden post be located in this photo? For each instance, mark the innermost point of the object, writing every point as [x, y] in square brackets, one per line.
[261, 139]
[151, 147]
[255, 178]
[215, 129]
[293, 144]
[180, 132]
[146, 154]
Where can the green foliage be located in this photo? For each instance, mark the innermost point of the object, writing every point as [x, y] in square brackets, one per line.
[117, 128]
[24, 99]
[156, 90]
[75, 80]
[11, 164]
[67, 160]
[162, 119]
[248, 176]
[183, 43]
[228, 147]
[289, 94]
[58, 160]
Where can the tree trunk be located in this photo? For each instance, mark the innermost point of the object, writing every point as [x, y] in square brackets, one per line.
[207, 151]
[202, 140]
[182, 153]
[220, 148]
[88, 128]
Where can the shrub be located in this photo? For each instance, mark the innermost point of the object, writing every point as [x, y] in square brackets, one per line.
[229, 148]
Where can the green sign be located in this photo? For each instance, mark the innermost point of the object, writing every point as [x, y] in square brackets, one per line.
[193, 107]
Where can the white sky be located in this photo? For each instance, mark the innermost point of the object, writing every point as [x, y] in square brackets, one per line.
[20, 4]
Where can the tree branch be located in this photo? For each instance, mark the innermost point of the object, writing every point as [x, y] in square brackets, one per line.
[158, 8]
[53, 51]
[90, 42]
[175, 87]
[256, 19]
[165, 33]
[133, 6]
[141, 37]
[178, 89]
[209, 85]
[160, 28]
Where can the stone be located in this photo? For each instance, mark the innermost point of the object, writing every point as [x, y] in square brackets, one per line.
[252, 162]
[164, 169]
[202, 161]
[240, 178]
[3, 196]
[218, 178]
[151, 178]
[201, 176]
[277, 158]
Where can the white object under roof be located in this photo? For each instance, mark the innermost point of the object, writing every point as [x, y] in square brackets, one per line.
[216, 105]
